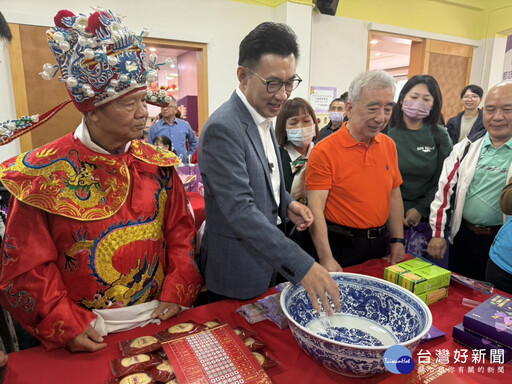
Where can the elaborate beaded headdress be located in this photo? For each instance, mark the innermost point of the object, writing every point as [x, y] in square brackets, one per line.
[99, 60]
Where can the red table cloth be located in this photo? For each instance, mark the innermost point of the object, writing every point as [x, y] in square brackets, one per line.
[60, 366]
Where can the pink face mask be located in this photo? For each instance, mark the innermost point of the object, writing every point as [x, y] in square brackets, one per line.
[416, 109]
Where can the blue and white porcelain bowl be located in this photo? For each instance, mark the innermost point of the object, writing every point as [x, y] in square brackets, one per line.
[375, 315]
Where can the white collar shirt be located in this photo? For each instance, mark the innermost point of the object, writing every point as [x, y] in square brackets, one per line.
[82, 134]
[294, 154]
[264, 125]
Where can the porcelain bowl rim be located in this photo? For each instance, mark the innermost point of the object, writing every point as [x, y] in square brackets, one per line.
[363, 347]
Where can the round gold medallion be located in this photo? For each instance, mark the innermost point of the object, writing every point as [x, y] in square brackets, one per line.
[180, 328]
[259, 357]
[211, 324]
[127, 361]
[143, 341]
[136, 378]
[165, 366]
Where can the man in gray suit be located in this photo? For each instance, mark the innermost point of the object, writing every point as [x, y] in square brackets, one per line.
[242, 247]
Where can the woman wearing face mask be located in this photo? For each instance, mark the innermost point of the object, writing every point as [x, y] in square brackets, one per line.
[296, 129]
[422, 145]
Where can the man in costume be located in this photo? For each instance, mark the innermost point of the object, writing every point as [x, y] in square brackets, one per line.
[98, 219]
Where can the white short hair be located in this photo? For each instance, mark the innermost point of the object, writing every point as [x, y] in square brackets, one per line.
[374, 79]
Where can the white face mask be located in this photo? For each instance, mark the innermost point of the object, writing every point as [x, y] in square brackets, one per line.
[301, 137]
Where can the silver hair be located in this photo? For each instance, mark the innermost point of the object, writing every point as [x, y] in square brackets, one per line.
[375, 79]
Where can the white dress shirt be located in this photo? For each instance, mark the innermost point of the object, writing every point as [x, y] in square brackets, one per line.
[82, 134]
[264, 125]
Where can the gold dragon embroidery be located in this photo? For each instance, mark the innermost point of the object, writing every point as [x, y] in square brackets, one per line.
[67, 186]
[139, 283]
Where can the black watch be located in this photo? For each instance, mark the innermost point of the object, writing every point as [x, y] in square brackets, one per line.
[397, 240]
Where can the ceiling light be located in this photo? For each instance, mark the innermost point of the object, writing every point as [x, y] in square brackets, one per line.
[152, 49]
[378, 53]
[374, 42]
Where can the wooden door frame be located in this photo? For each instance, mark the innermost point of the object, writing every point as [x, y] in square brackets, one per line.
[18, 83]
[448, 48]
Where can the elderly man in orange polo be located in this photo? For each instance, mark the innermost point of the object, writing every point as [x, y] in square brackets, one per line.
[353, 181]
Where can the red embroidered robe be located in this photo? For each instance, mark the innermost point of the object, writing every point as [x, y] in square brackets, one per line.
[87, 230]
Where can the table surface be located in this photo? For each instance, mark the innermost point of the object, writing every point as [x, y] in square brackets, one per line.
[60, 366]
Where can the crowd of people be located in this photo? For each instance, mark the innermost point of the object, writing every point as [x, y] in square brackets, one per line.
[110, 226]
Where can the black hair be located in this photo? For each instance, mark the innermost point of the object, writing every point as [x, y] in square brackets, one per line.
[397, 116]
[473, 88]
[165, 141]
[267, 37]
[293, 107]
[335, 100]
[344, 97]
[5, 31]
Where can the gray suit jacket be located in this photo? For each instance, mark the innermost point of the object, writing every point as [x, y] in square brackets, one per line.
[242, 245]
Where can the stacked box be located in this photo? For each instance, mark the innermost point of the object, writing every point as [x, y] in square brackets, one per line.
[393, 272]
[492, 319]
[474, 341]
[435, 295]
[429, 282]
[425, 279]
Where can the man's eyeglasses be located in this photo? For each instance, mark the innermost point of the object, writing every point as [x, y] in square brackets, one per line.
[274, 86]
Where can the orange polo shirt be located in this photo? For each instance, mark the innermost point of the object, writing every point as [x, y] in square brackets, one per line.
[359, 179]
